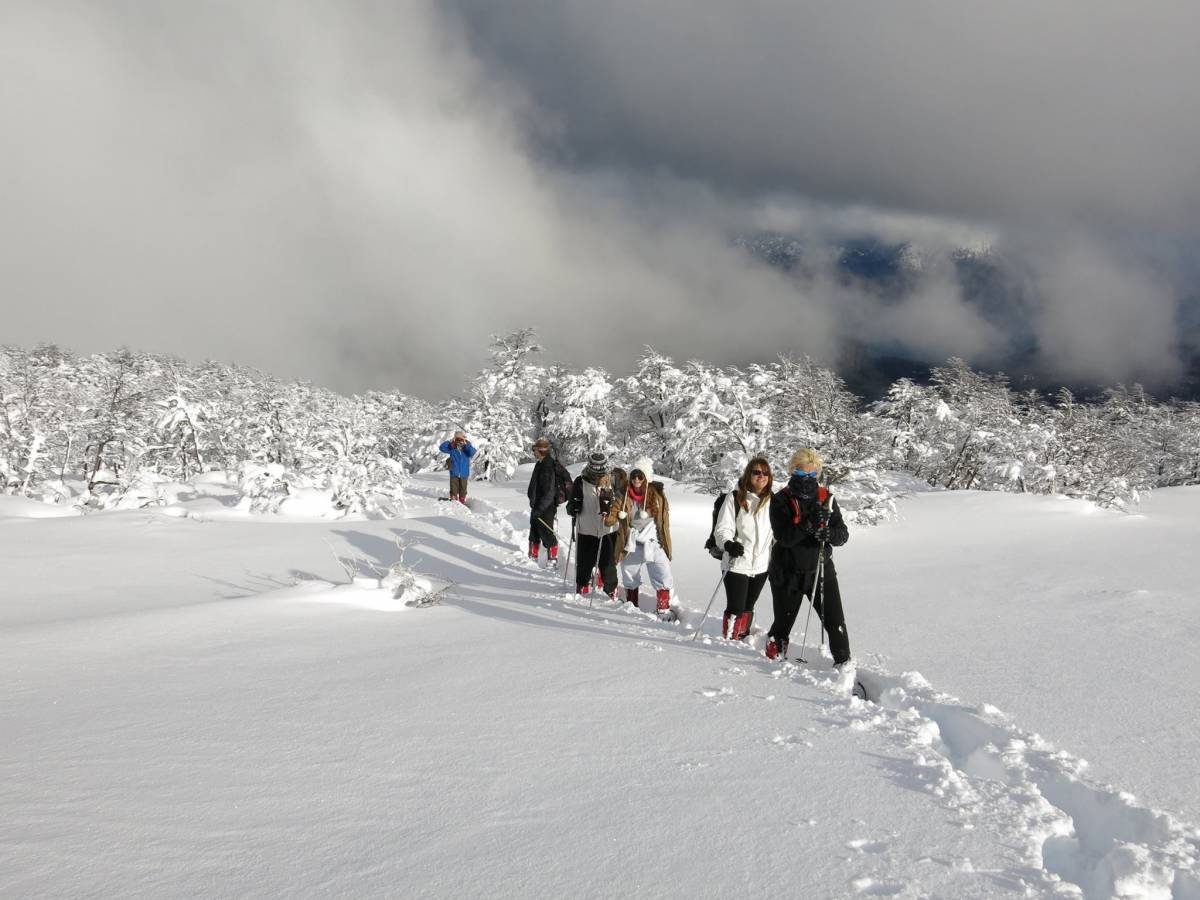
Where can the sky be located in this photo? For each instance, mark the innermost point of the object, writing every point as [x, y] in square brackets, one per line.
[360, 193]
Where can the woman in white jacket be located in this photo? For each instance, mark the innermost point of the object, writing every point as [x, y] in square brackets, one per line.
[743, 530]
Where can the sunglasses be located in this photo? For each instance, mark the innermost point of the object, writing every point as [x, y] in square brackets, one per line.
[759, 473]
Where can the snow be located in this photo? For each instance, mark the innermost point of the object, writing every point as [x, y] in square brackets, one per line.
[25, 508]
[224, 704]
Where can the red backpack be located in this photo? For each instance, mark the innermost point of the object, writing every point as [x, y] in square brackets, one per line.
[822, 498]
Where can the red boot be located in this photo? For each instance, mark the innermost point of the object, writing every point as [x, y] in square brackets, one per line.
[742, 626]
[582, 588]
[776, 648]
[553, 551]
[664, 606]
[534, 547]
[729, 626]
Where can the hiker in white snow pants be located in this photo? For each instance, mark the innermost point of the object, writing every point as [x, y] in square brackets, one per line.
[644, 537]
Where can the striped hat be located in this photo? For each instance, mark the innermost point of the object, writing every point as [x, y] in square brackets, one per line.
[597, 464]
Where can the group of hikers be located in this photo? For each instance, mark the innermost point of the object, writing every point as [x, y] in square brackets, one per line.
[621, 528]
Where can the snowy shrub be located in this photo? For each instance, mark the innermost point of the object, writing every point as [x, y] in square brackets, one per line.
[116, 430]
[263, 487]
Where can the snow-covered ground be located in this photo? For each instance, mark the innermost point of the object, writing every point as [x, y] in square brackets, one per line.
[195, 702]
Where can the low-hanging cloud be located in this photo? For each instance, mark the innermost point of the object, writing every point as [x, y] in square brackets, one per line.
[340, 194]
[1101, 322]
[358, 194]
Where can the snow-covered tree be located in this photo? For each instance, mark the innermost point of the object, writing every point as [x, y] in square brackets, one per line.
[498, 410]
[577, 410]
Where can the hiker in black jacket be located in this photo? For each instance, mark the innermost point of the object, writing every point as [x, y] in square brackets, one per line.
[543, 503]
[805, 517]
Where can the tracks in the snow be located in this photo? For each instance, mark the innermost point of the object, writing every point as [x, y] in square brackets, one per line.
[1076, 838]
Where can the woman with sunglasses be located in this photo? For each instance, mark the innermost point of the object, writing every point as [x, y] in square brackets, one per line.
[743, 530]
[643, 519]
[805, 519]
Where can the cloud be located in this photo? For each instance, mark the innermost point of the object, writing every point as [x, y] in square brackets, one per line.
[341, 194]
[358, 194]
[1103, 322]
[981, 111]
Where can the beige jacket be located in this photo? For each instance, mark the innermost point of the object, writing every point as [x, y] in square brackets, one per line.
[656, 506]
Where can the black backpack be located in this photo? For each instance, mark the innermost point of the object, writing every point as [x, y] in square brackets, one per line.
[563, 482]
[711, 544]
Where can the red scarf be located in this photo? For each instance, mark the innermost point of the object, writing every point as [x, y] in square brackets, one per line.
[637, 498]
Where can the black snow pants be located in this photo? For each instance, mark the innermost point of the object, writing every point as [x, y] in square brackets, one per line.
[541, 532]
[788, 590]
[741, 592]
[593, 551]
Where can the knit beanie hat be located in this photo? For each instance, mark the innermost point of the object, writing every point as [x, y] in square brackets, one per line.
[597, 465]
[645, 465]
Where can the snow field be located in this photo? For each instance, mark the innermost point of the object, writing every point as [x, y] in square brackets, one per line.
[207, 707]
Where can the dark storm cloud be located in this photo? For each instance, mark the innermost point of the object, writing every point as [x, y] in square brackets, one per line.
[359, 193]
[1018, 109]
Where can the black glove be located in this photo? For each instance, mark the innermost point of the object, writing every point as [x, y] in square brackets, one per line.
[821, 524]
[715, 552]
[606, 500]
[734, 549]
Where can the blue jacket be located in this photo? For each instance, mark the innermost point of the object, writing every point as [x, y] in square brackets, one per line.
[460, 460]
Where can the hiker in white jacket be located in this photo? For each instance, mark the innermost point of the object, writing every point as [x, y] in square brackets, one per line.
[743, 531]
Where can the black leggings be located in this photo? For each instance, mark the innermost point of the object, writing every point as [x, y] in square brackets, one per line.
[590, 548]
[542, 532]
[788, 590]
[741, 592]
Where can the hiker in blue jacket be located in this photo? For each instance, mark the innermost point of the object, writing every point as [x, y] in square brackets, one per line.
[461, 451]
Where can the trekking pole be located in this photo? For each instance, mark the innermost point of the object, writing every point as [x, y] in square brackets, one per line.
[818, 587]
[819, 579]
[570, 548]
[710, 603]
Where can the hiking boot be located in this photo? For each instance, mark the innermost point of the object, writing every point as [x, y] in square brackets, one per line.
[777, 647]
[729, 626]
[583, 588]
[631, 595]
[553, 551]
[665, 613]
[772, 648]
[742, 626]
[534, 547]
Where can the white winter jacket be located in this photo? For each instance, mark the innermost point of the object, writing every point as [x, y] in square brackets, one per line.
[750, 528]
